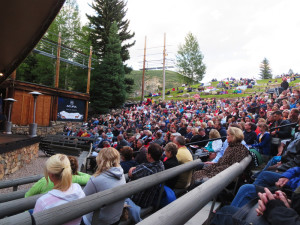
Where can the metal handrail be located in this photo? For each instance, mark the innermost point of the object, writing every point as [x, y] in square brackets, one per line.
[195, 200]
[171, 214]
[286, 125]
[77, 208]
[197, 142]
[5, 197]
[20, 181]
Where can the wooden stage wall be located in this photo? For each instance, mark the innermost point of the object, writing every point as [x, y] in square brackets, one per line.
[22, 111]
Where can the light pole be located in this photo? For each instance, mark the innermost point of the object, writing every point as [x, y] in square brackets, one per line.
[8, 122]
[33, 125]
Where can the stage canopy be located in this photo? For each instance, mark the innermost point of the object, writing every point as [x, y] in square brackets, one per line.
[23, 23]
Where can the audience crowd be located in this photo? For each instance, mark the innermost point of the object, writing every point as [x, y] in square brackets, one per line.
[150, 137]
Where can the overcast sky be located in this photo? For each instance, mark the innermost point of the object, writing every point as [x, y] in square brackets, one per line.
[234, 35]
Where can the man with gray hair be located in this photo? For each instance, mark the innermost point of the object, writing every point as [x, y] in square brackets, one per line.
[141, 154]
[189, 133]
[121, 142]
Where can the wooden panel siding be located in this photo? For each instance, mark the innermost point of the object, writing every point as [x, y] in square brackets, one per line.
[47, 103]
[22, 112]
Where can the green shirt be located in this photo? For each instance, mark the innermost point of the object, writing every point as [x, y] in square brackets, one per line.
[42, 187]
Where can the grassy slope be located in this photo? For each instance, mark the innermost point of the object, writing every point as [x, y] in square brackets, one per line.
[174, 79]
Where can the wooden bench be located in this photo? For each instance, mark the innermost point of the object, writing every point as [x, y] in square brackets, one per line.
[69, 145]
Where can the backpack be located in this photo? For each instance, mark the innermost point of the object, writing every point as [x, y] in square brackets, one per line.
[256, 158]
[168, 196]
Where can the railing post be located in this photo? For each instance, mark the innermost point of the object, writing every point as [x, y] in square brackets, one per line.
[80, 207]
[194, 200]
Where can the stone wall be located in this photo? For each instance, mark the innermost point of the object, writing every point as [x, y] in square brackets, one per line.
[12, 161]
[56, 127]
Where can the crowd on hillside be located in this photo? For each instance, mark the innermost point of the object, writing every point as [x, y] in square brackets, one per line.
[153, 136]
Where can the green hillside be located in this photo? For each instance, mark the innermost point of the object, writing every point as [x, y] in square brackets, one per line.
[154, 81]
[176, 80]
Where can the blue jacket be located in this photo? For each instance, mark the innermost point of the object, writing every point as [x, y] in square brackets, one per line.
[293, 175]
[265, 145]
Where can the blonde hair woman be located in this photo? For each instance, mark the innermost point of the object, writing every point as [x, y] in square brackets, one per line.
[44, 184]
[235, 152]
[58, 170]
[213, 147]
[204, 125]
[109, 174]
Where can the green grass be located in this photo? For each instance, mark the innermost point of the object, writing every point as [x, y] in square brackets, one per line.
[174, 80]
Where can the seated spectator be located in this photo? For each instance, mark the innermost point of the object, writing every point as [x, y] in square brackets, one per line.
[213, 147]
[218, 126]
[141, 156]
[285, 114]
[85, 133]
[260, 121]
[148, 138]
[109, 174]
[247, 192]
[196, 137]
[74, 132]
[103, 140]
[44, 185]
[225, 146]
[109, 135]
[283, 132]
[149, 196]
[262, 114]
[183, 156]
[158, 138]
[277, 209]
[293, 117]
[209, 127]
[80, 132]
[274, 208]
[121, 142]
[171, 152]
[249, 134]
[127, 159]
[189, 133]
[58, 170]
[234, 153]
[263, 140]
[182, 129]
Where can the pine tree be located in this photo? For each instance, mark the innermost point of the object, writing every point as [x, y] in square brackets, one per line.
[190, 59]
[109, 85]
[108, 11]
[265, 70]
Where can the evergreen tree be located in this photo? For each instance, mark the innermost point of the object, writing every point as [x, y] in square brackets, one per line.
[190, 59]
[291, 72]
[108, 11]
[109, 82]
[41, 69]
[265, 70]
